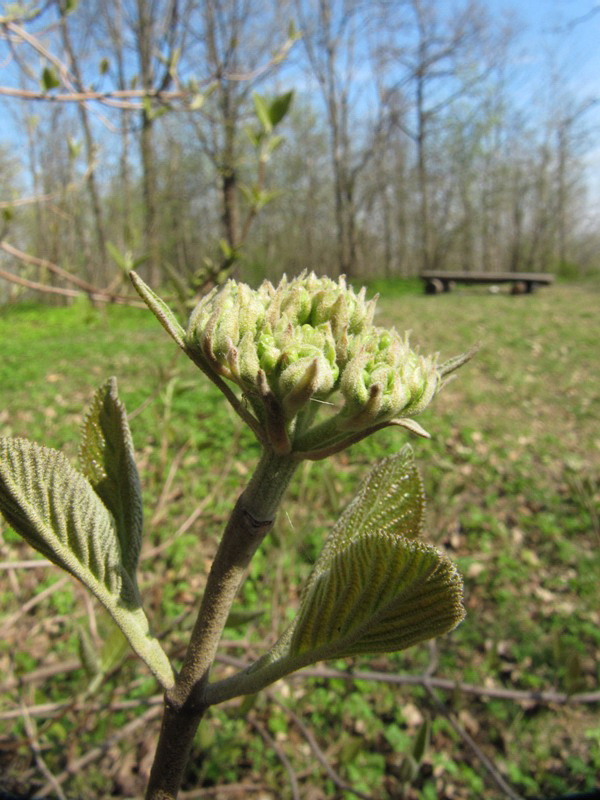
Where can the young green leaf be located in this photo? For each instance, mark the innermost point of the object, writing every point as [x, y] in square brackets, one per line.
[49, 79]
[160, 309]
[56, 510]
[421, 743]
[279, 107]
[88, 655]
[255, 137]
[375, 588]
[390, 500]
[243, 616]
[262, 112]
[196, 102]
[122, 261]
[379, 594]
[274, 143]
[107, 461]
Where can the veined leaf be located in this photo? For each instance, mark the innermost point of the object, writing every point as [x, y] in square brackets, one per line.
[375, 588]
[243, 616]
[380, 593]
[56, 510]
[88, 655]
[390, 500]
[108, 463]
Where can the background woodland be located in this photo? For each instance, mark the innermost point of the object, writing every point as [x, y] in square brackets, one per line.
[414, 140]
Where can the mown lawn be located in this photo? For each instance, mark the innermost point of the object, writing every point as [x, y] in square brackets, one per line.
[513, 479]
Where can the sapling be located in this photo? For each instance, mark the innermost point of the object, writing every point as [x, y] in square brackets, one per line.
[306, 369]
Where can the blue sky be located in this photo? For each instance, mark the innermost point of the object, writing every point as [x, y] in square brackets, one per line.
[566, 27]
[561, 35]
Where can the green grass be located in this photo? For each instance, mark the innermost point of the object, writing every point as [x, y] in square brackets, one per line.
[513, 480]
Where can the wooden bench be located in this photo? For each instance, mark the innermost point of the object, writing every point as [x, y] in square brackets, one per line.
[522, 282]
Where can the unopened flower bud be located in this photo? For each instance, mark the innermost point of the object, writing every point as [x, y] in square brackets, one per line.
[307, 341]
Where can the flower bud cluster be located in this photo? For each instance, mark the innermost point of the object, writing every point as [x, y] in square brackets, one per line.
[308, 341]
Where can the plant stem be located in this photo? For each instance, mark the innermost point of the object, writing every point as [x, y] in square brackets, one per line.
[185, 704]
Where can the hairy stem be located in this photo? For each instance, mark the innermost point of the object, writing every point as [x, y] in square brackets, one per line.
[186, 703]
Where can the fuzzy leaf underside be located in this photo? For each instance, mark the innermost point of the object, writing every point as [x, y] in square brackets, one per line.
[107, 461]
[56, 510]
[379, 594]
[390, 500]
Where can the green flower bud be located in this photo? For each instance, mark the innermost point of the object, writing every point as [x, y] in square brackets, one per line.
[386, 380]
[306, 342]
[219, 322]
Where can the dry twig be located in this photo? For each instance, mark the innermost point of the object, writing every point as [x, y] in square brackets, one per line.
[268, 739]
[97, 752]
[319, 754]
[486, 762]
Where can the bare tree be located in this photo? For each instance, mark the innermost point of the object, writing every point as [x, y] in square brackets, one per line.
[237, 47]
[90, 146]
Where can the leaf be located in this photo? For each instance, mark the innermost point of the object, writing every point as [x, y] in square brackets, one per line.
[226, 249]
[74, 147]
[373, 576]
[197, 102]
[390, 500]
[262, 112]
[455, 363]
[160, 309]
[56, 510]
[174, 61]
[107, 461]
[49, 79]
[242, 616]
[379, 594]
[375, 588]
[279, 107]
[264, 197]
[255, 137]
[410, 425]
[274, 144]
[422, 741]
[88, 655]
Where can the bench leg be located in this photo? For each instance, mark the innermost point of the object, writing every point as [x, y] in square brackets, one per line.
[434, 286]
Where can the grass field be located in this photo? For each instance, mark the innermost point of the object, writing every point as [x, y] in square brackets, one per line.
[513, 480]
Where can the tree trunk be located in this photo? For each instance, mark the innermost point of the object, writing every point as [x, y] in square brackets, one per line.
[149, 176]
[102, 275]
